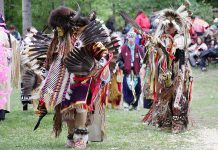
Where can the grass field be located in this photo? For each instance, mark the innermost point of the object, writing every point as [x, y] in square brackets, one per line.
[124, 129]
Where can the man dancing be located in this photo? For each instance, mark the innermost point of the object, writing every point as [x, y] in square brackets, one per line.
[77, 60]
[171, 74]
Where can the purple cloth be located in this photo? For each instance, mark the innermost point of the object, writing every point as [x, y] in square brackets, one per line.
[137, 40]
[126, 56]
[78, 95]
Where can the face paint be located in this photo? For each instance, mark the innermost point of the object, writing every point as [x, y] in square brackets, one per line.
[60, 31]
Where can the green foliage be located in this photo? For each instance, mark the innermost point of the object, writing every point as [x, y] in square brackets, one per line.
[204, 10]
[41, 9]
[13, 13]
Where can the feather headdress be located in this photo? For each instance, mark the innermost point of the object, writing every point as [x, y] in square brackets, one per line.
[177, 18]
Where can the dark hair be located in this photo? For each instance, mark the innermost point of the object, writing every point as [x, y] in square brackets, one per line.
[110, 24]
[193, 17]
[12, 27]
[140, 11]
[28, 29]
[2, 20]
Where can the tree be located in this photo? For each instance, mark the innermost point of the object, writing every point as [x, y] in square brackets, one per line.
[2, 7]
[41, 9]
[62, 3]
[26, 14]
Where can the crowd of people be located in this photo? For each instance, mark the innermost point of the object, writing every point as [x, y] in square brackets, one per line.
[82, 66]
[202, 49]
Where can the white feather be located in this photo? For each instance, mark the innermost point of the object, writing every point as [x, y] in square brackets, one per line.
[176, 25]
[67, 96]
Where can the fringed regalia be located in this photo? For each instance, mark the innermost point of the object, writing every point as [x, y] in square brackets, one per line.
[115, 89]
[170, 78]
[33, 55]
[76, 83]
[170, 81]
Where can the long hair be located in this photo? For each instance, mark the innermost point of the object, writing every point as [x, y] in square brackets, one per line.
[51, 50]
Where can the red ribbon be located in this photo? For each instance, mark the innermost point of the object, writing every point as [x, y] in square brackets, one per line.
[95, 91]
[97, 85]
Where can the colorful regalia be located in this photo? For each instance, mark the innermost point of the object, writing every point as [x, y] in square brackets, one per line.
[33, 54]
[170, 81]
[115, 86]
[75, 85]
[170, 77]
[115, 89]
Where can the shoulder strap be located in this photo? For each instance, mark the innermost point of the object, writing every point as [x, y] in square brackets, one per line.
[9, 40]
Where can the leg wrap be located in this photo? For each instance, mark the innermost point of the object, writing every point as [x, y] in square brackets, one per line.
[80, 118]
[80, 137]
[180, 116]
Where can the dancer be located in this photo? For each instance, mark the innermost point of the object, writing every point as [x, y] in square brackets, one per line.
[78, 71]
[171, 79]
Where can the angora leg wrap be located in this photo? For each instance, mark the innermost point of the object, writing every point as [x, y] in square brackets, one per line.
[80, 118]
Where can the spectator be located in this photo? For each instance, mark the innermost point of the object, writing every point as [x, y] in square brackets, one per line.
[209, 38]
[142, 20]
[110, 24]
[130, 62]
[215, 25]
[14, 32]
[154, 20]
[126, 28]
[8, 66]
[195, 50]
[212, 52]
[199, 25]
[193, 35]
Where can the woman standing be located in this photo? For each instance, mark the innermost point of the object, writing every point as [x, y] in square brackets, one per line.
[7, 62]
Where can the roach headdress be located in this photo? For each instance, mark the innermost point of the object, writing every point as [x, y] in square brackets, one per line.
[177, 17]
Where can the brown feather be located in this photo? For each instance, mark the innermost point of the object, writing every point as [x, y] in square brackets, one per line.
[57, 126]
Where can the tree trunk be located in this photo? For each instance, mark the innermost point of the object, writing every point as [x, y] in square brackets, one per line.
[90, 5]
[113, 8]
[62, 3]
[2, 7]
[53, 5]
[26, 13]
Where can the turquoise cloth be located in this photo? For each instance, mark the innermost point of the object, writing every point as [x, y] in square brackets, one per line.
[132, 48]
[135, 81]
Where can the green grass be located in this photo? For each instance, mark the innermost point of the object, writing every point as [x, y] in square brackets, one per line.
[124, 129]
